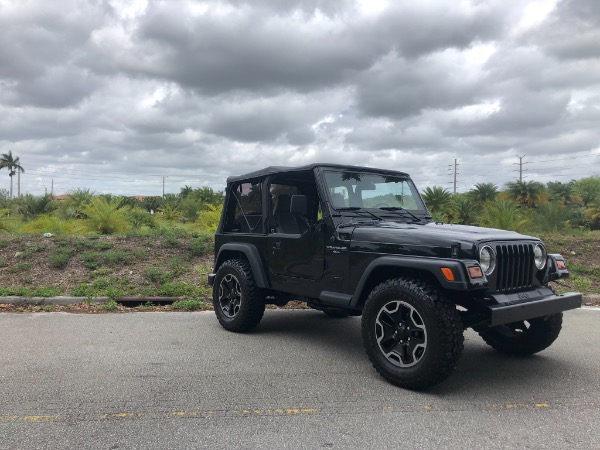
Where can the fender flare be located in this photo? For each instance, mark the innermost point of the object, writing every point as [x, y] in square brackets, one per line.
[252, 255]
[431, 265]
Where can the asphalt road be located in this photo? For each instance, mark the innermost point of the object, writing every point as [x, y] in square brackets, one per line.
[301, 380]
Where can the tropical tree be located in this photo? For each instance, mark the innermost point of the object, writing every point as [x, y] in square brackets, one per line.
[185, 191]
[13, 165]
[105, 215]
[461, 210]
[589, 190]
[30, 206]
[483, 193]
[436, 198]
[562, 192]
[504, 214]
[527, 193]
[72, 206]
[552, 216]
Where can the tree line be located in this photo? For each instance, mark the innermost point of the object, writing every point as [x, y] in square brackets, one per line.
[521, 205]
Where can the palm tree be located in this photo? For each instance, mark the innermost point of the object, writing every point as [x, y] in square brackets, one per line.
[436, 198]
[561, 192]
[527, 193]
[484, 192]
[13, 165]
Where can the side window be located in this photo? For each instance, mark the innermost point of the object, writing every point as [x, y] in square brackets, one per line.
[244, 213]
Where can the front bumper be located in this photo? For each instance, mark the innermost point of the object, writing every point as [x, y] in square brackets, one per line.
[531, 304]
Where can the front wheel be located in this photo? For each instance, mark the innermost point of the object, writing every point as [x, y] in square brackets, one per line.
[523, 338]
[237, 300]
[412, 334]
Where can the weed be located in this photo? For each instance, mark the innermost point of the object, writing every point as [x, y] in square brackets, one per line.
[116, 258]
[581, 284]
[45, 292]
[48, 308]
[177, 266]
[3, 263]
[100, 272]
[156, 275]
[148, 306]
[20, 267]
[177, 289]
[3, 243]
[91, 260]
[188, 304]
[110, 305]
[60, 258]
[83, 290]
[201, 245]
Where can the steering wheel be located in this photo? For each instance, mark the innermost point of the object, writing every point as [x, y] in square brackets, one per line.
[380, 204]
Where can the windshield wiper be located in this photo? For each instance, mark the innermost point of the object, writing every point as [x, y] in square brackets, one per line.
[400, 209]
[359, 209]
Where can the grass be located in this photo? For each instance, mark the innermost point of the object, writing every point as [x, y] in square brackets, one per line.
[188, 305]
[30, 292]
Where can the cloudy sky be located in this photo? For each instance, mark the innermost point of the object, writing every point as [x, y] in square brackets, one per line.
[114, 95]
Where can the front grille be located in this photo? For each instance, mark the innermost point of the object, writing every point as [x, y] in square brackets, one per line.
[514, 267]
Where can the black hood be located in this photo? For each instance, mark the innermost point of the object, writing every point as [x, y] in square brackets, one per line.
[432, 239]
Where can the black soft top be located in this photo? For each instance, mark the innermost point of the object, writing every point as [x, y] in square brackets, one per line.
[272, 170]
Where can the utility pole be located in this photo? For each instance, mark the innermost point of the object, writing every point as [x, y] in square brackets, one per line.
[521, 167]
[164, 185]
[19, 183]
[52, 187]
[455, 171]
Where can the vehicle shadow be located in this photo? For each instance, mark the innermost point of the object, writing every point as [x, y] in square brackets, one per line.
[480, 370]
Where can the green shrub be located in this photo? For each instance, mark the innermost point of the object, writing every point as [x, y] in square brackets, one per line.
[60, 258]
[156, 275]
[105, 215]
[202, 245]
[139, 217]
[110, 305]
[177, 289]
[48, 224]
[83, 290]
[209, 217]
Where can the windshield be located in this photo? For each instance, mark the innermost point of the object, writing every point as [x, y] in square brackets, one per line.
[371, 190]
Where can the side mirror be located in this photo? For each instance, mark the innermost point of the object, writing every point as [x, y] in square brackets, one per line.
[299, 205]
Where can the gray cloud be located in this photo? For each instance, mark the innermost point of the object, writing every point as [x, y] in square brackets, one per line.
[115, 95]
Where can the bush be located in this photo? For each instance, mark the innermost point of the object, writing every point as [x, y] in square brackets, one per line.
[201, 245]
[104, 215]
[156, 275]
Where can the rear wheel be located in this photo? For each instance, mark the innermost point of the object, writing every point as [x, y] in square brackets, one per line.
[412, 334]
[237, 300]
[523, 338]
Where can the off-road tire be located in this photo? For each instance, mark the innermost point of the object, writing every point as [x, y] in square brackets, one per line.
[540, 334]
[237, 301]
[437, 324]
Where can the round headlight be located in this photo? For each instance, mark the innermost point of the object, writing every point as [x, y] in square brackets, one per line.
[487, 259]
[539, 256]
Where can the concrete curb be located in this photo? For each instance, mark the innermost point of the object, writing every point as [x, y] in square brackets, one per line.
[36, 301]
[592, 299]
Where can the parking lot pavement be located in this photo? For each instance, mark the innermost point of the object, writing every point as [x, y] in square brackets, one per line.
[301, 380]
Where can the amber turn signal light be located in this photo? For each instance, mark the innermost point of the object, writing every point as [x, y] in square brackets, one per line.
[448, 274]
[560, 264]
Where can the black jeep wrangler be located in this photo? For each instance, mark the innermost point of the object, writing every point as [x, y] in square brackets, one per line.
[360, 241]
